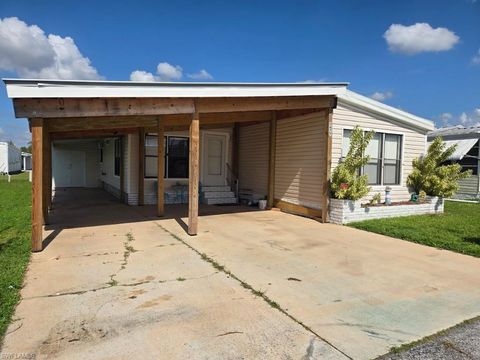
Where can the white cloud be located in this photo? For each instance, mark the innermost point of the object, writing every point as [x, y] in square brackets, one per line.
[466, 118]
[476, 58]
[165, 72]
[140, 75]
[201, 75]
[446, 118]
[168, 72]
[421, 37]
[310, 81]
[27, 51]
[381, 96]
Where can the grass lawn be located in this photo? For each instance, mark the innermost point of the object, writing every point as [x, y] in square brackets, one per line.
[15, 245]
[458, 229]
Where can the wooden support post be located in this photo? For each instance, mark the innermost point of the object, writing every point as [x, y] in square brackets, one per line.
[141, 164]
[122, 171]
[37, 183]
[47, 173]
[193, 175]
[50, 176]
[161, 169]
[328, 166]
[271, 161]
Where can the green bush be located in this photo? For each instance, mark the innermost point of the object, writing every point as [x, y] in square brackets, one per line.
[431, 175]
[347, 183]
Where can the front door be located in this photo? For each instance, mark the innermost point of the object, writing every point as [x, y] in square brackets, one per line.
[214, 158]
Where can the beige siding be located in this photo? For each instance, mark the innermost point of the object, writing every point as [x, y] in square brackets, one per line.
[413, 143]
[253, 158]
[300, 160]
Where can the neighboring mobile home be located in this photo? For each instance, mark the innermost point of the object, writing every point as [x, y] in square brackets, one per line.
[467, 155]
[161, 143]
[10, 158]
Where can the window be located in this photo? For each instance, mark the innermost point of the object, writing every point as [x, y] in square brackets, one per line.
[118, 157]
[176, 157]
[385, 151]
[101, 155]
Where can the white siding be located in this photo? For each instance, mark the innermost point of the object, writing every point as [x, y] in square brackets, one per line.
[300, 160]
[253, 158]
[414, 142]
[469, 186]
[10, 158]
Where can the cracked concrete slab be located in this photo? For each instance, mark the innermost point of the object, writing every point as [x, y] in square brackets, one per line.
[165, 302]
[362, 292]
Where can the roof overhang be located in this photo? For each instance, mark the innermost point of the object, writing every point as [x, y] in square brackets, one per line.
[378, 109]
[26, 88]
[463, 147]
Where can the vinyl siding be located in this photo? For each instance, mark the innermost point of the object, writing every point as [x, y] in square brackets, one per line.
[300, 160]
[253, 158]
[414, 144]
[469, 186]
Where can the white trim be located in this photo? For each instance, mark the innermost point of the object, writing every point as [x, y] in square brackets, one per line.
[389, 113]
[34, 88]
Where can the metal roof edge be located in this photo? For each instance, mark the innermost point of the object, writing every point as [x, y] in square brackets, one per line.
[354, 99]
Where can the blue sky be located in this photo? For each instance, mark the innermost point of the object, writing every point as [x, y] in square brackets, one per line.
[429, 64]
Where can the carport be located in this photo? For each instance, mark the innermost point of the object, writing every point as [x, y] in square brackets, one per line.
[60, 110]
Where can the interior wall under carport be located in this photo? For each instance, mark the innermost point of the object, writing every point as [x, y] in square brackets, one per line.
[87, 163]
[300, 162]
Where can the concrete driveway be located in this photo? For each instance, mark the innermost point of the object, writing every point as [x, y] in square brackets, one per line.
[115, 282]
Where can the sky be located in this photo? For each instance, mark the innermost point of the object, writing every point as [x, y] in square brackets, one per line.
[420, 56]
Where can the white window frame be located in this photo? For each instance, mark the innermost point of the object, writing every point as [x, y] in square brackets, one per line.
[402, 151]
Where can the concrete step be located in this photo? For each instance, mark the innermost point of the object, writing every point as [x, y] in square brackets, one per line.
[218, 194]
[206, 189]
[215, 201]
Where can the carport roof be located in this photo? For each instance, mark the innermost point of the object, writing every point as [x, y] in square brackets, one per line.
[38, 88]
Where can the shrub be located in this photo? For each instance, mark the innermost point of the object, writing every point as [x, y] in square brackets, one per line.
[432, 175]
[347, 183]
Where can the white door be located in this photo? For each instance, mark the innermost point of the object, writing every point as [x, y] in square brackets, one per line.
[214, 159]
[68, 168]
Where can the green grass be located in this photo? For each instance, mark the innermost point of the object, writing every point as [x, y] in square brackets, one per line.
[458, 229]
[15, 245]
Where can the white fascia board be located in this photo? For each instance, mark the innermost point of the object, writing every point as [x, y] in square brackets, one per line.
[19, 88]
[377, 108]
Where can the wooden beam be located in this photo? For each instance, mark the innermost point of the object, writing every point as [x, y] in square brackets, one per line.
[141, 165]
[297, 209]
[122, 171]
[214, 105]
[69, 107]
[94, 126]
[37, 183]
[88, 107]
[161, 169]
[193, 175]
[82, 134]
[46, 173]
[271, 160]
[328, 167]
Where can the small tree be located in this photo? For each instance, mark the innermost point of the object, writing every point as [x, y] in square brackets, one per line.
[430, 174]
[347, 183]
